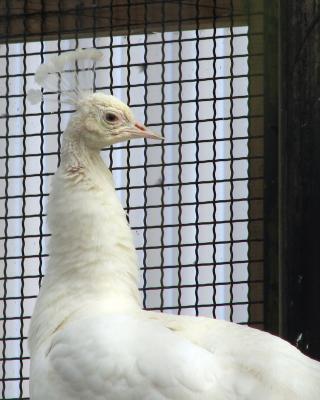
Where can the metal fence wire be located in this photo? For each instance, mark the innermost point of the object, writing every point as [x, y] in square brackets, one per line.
[192, 70]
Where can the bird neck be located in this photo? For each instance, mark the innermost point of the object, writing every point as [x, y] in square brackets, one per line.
[76, 156]
[93, 262]
[87, 217]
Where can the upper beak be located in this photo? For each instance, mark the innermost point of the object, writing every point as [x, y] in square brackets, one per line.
[141, 131]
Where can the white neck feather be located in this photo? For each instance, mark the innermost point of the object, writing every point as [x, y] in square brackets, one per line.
[93, 261]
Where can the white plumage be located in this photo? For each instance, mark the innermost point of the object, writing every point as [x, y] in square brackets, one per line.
[89, 338]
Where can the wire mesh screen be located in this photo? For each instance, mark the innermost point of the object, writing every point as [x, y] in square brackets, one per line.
[191, 70]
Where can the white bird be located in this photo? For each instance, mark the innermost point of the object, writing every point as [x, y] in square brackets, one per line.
[89, 337]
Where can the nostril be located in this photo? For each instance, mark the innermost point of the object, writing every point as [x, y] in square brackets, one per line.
[140, 126]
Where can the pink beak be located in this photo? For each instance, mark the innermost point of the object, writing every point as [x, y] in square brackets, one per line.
[141, 131]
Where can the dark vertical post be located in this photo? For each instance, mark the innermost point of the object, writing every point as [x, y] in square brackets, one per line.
[300, 121]
[258, 261]
[271, 168]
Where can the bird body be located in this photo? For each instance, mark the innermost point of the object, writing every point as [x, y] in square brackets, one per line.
[89, 337]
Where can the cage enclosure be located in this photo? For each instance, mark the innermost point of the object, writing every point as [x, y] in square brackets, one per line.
[202, 204]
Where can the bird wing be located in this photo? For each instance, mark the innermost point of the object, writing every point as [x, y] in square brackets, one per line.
[153, 356]
[263, 365]
[126, 357]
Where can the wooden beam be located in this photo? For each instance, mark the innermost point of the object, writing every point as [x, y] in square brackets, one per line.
[66, 17]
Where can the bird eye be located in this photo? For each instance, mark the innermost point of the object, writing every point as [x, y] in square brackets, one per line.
[110, 117]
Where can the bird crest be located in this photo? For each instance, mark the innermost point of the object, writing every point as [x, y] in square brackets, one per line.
[70, 75]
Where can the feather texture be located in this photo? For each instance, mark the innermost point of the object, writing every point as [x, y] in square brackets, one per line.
[89, 338]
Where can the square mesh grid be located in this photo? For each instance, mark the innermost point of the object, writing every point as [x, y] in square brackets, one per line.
[194, 201]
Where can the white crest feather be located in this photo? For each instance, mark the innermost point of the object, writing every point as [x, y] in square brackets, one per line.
[70, 74]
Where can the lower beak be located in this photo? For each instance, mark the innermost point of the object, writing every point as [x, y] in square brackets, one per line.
[141, 131]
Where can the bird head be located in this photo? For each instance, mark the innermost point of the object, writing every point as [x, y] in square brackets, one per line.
[100, 120]
[103, 120]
